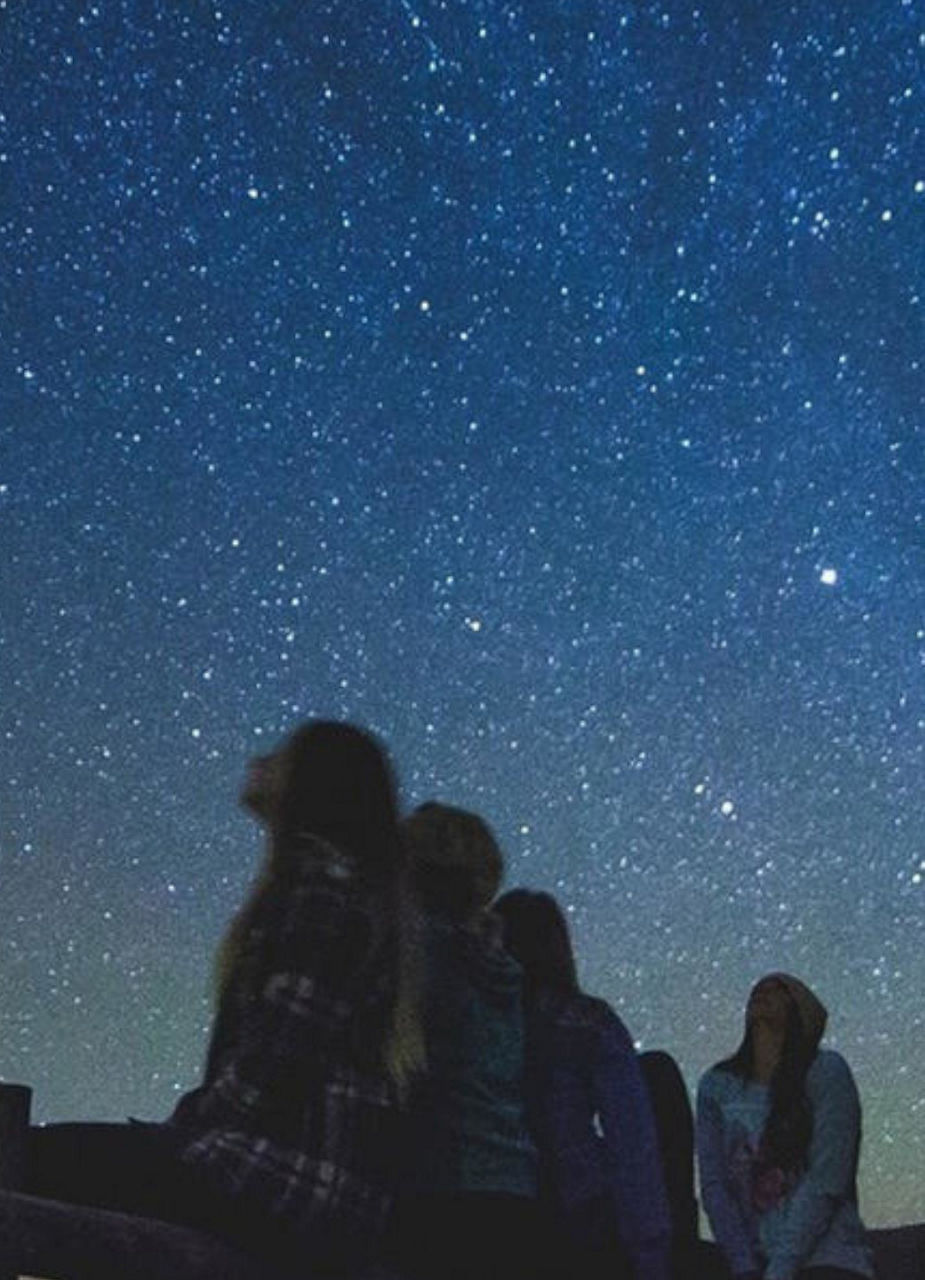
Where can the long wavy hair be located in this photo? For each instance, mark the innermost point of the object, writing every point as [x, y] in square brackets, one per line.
[536, 935]
[788, 1129]
[335, 792]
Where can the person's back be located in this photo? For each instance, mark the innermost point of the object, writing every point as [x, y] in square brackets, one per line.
[468, 1208]
[468, 1110]
[589, 1111]
[289, 1145]
[571, 1036]
[297, 1123]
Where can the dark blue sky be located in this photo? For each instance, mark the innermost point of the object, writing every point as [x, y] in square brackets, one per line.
[538, 383]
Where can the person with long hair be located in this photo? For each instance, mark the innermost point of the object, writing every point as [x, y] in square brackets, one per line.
[601, 1182]
[778, 1139]
[468, 1207]
[289, 1145]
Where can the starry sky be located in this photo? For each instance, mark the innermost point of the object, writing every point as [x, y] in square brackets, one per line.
[538, 383]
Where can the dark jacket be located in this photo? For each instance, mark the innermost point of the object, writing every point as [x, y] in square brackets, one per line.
[591, 1115]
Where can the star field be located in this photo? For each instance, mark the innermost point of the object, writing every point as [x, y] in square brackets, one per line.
[537, 383]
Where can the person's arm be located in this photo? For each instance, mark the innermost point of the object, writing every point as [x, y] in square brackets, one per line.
[831, 1165]
[727, 1221]
[628, 1128]
[314, 947]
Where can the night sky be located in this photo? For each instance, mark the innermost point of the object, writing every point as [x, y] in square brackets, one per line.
[536, 383]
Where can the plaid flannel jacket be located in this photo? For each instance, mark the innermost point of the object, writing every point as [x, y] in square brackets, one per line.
[296, 1122]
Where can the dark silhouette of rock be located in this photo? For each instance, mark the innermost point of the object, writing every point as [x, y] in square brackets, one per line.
[71, 1242]
[899, 1252]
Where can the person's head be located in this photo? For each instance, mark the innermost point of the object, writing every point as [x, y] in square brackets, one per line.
[332, 782]
[785, 1006]
[769, 1007]
[454, 861]
[537, 936]
[787, 1015]
[329, 780]
[791, 1018]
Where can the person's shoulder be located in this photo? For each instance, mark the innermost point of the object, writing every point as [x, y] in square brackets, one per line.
[828, 1069]
[573, 1008]
[319, 859]
[488, 967]
[322, 890]
[607, 1017]
[715, 1083]
[595, 1014]
[321, 869]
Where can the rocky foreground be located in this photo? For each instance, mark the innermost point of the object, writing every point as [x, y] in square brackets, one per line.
[40, 1238]
[900, 1252]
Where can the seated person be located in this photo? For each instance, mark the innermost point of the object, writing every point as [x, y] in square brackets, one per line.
[289, 1146]
[778, 1135]
[601, 1180]
[468, 1208]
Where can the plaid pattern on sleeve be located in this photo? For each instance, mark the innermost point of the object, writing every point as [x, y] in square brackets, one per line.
[297, 1124]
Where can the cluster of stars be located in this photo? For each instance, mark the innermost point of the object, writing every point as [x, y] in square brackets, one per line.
[539, 385]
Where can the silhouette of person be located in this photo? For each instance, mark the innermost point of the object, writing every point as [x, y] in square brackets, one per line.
[468, 1208]
[288, 1146]
[601, 1180]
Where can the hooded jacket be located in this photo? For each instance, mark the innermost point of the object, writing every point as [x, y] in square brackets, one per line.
[813, 1219]
[812, 1012]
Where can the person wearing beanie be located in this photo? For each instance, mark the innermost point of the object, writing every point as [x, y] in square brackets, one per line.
[778, 1138]
[468, 1206]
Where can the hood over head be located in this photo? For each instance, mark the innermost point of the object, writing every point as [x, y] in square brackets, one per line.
[812, 1012]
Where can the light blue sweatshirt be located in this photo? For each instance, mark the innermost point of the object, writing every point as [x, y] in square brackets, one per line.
[816, 1222]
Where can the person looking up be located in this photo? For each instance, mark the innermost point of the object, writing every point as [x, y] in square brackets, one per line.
[289, 1146]
[778, 1138]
